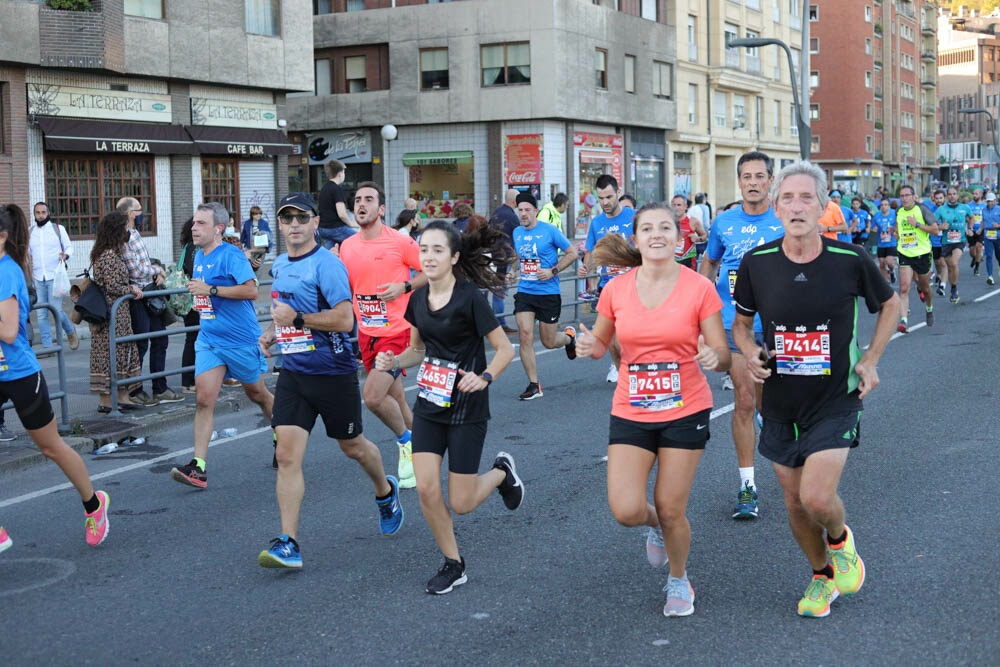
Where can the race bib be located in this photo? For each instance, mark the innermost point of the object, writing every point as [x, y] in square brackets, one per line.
[374, 312]
[802, 350]
[954, 236]
[655, 386]
[203, 305]
[991, 234]
[613, 270]
[292, 341]
[885, 237]
[529, 269]
[3, 361]
[732, 282]
[909, 240]
[260, 240]
[436, 380]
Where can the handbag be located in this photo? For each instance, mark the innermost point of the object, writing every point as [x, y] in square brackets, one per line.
[154, 304]
[89, 301]
[180, 304]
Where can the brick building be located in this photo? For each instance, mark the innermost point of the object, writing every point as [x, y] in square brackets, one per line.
[171, 102]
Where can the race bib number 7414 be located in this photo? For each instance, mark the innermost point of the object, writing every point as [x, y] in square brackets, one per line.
[802, 350]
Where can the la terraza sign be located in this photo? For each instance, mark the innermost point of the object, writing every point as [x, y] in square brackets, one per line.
[94, 103]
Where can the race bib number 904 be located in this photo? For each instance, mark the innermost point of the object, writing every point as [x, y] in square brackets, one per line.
[802, 350]
[374, 312]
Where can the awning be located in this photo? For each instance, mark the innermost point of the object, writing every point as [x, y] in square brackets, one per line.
[90, 136]
[447, 157]
[239, 141]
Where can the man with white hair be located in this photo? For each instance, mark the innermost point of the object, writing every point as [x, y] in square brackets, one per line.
[812, 371]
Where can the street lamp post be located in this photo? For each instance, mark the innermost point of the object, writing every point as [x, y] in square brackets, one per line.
[993, 131]
[801, 119]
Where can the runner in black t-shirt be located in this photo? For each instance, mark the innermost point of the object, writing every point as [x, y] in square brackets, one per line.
[806, 289]
[449, 318]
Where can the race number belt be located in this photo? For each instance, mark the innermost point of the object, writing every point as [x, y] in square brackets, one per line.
[954, 235]
[374, 312]
[991, 234]
[802, 350]
[292, 340]
[655, 386]
[529, 269]
[203, 305]
[909, 240]
[885, 237]
[436, 380]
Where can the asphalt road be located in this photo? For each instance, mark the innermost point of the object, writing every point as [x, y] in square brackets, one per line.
[556, 582]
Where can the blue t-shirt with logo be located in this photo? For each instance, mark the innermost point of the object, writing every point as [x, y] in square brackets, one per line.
[977, 215]
[734, 233]
[225, 323]
[848, 218]
[863, 217]
[882, 226]
[313, 283]
[538, 248]
[601, 226]
[991, 217]
[955, 216]
[18, 359]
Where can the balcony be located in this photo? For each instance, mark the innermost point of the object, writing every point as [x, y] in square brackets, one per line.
[878, 93]
[928, 109]
[732, 58]
[878, 125]
[928, 56]
[928, 83]
[928, 135]
[927, 28]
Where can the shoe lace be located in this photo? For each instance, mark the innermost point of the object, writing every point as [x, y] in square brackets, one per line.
[656, 538]
[91, 525]
[841, 560]
[746, 495]
[678, 588]
[817, 588]
[385, 509]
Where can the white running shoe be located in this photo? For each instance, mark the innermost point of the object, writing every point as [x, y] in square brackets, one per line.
[612, 374]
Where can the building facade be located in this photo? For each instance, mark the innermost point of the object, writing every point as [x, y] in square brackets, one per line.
[537, 95]
[732, 100]
[873, 100]
[173, 103]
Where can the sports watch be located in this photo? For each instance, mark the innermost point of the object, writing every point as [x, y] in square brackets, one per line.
[299, 322]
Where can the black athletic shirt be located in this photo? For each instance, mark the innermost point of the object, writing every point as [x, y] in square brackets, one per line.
[810, 315]
[329, 196]
[454, 335]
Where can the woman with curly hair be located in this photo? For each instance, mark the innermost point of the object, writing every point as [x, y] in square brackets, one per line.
[108, 269]
[21, 379]
[449, 317]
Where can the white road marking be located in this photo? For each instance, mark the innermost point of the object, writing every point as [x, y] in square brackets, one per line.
[986, 296]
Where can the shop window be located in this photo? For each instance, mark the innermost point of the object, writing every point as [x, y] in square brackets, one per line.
[220, 182]
[262, 17]
[149, 9]
[434, 69]
[601, 68]
[354, 73]
[81, 189]
[663, 80]
[629, 74]
[506, 64]
[440, 181]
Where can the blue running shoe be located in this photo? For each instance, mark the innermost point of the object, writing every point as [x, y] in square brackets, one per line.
[390, 512]
[283, 553]
[746, 503]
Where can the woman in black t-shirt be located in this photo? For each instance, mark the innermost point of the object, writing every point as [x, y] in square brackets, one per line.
[449, 318]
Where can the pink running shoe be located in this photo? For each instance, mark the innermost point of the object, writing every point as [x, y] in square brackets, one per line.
[5, 541]
[97, 525]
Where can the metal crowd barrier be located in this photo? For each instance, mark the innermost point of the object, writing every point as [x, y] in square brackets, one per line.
[59, 350]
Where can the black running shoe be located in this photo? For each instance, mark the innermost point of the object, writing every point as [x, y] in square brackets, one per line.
[533, 391]
[191, 475]
[451, 574]
[511, 489]
[571, 345]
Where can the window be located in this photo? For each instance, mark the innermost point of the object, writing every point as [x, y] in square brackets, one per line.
[663, 79]
[753, 4]
[506, 64]
[814, 13]
[777, 12]
[868, 46]
[793, 125]
[796, 59]
[740, 117]
[323, 76]
[356, 81]
[868, 112]
[355, 5]
[84, 188]
[692, 38]
[629, 74]
[777, 118]
[814, 45]
[3, 111]
[648, 10]
[868, 79]
[262, 17]
[906, 61]
[692, 104]
[813, 112]
[868, 144]
[150, 9]
[906, 91]
[795, 10]
[906, 32]
[719, 109]
[814, 79]
[220, 181]
[868, 14]
[434, 69]
[601, 68]
[815, 144]
[753, 54]
[732, 53]
[759, 108]
[321, 7]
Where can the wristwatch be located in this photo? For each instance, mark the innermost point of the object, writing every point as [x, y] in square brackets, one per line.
[407, 287]
[555, 270]
[486, 375]
[214, 291]
[299, 322]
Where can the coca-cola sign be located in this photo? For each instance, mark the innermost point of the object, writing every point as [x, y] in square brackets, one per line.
[523, 159]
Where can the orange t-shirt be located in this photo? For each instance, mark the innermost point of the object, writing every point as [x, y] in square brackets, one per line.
[371, 264]
[832, 216]
[659, 380]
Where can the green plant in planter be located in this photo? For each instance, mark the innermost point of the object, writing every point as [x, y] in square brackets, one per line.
[71, 5]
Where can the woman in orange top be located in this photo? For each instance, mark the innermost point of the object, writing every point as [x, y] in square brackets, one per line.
[668, 322]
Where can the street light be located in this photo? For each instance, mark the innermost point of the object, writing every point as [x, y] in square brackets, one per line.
[993, 130]
[801, 120]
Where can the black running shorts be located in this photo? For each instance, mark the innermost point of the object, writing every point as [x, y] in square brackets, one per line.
[300, 398]
[790, 445]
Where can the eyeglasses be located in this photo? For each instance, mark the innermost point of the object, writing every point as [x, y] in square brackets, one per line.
[135, 210]
[301, 218]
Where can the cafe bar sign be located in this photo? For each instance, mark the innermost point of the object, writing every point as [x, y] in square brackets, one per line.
[221, 113]
[95, 103]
